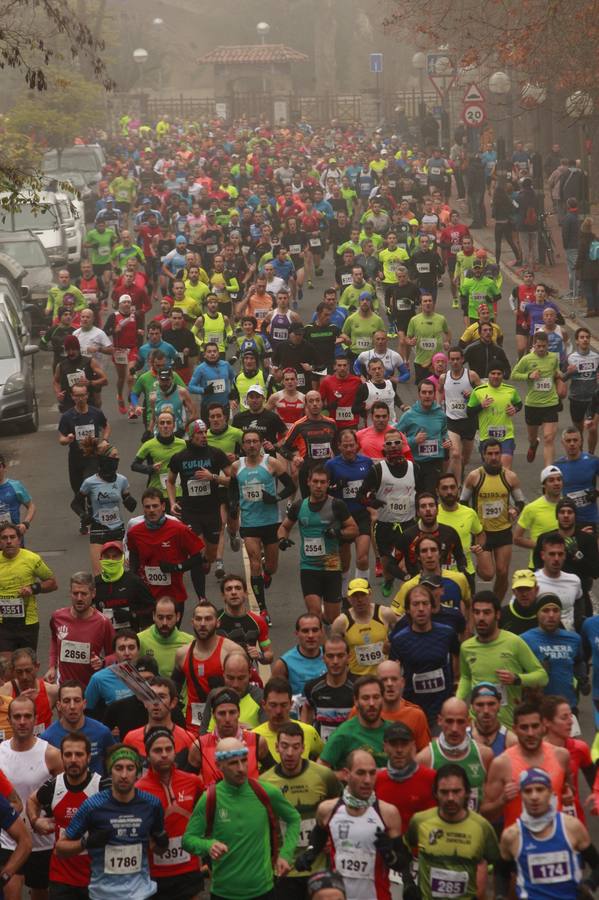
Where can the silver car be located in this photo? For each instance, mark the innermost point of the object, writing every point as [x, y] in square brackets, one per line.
[18, 401]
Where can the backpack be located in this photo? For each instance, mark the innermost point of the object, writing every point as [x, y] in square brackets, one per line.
[263, 798]
[594, 251]
[530, 216]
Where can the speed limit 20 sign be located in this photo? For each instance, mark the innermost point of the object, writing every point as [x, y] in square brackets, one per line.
[474, 115]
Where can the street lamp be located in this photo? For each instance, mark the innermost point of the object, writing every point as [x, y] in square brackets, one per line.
[263, 29]
[419, 63]
[158, 22]
[532, 95]
[501, 86]
[499, 83]
[140, 56]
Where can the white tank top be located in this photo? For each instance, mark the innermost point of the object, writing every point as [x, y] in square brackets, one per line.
[455, 402]
[27, 771]
[353, 839]
[398, 493]
[386, 394]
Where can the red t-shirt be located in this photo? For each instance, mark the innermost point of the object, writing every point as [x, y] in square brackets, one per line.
[580, 758]
[338, 395]
[371, 443]
[409, 796]
[135, 739]
[178, 805]
[145, 234]
[451, 238]
[74, 641]
[172, 542]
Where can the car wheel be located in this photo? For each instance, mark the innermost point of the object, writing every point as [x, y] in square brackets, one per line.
[32, 423]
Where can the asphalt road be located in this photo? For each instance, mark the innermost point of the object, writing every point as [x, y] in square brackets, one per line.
[41, 463]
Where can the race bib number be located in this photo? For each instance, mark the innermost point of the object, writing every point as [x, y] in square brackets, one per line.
[74, 378]
[109, 516]
[344, 414]
[218, 385]
[252, 492]
[197, 488]
[174, 855]
[315, 242]
[197, 711]
[399, 507]
[84, 431]
[12, 608]
[103, 251]
[455, 249]
[580, 498]
[354, 863]
[157, 578]
[585, 365]
[295, 249]
[456, 406]
[121, 356]
[548, 868]
[346, 279]
[447, 883]
[320, 451]
[404, 304]
[215, 338]
[124, 859]
[498, 432]
[428, 448]
[75, 652]
[301, 379]
[428, 682]
[261, 314]
[435, 170]
[493, 509]
[369, 654]
[351, 489]
[423, 268]
[363, 343]
[314, 546]
[280, 334]
[427, 344]
[543, 384]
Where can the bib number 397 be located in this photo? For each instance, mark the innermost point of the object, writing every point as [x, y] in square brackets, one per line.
[122, 860]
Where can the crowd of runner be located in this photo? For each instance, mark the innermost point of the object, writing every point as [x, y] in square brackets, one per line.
[432, 739]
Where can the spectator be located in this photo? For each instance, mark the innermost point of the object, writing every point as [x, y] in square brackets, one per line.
[587, 269]
[570, 225]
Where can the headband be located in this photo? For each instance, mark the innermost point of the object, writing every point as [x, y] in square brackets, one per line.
[534, 776]
[223, 755]
[152, 735]
[124, 753]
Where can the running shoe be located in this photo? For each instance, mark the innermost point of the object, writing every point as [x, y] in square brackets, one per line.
[234, 542]
[122, 405]
[532, 451]
[267, 580]
[310, 285]
[219, 569]
[132, 414]
[378, 569]
[83, 529]
[387, 588]
[455, 304]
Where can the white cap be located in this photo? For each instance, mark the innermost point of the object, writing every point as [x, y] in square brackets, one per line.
[256, 389]
[549, 470]
[125, 297]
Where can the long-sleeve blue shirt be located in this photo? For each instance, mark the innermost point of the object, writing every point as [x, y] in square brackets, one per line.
[219, 376]
[433, 422]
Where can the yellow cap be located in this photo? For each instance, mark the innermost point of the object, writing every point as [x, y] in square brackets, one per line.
[524, 578]
[358, 586]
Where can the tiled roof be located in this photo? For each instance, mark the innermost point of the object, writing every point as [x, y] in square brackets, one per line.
[253, 53]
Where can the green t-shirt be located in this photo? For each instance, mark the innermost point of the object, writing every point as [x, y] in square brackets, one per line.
[227, 441]
[305, 791]
[350, 298]
[391, 261]
[154, 451]
[241, 822]
[541, 391]
[100, 246]
[449, 852]
[146, 384]
[352, 735]
[479, 290]
[350, 197]
[360, 330]
[537, 518]
[466, 522]
[479, 661]
[120, 254]
[430, 332]
[163, 649]
[123, 189]
[494, 422]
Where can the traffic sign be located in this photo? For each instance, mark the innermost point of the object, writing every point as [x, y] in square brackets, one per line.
[442, 84]
[473, 94]
[376, 63]
[473, 115]
[439, 64]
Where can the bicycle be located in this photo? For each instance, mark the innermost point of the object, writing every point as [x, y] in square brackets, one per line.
[546, 242]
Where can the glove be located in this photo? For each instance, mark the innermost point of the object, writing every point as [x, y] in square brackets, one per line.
[169, 567]
[384, 845]
[98, 838]
[270, 499]
[161, 840]
[209, 389]
[305, 861]
[333, 531]
[285, 544]
[129, 503]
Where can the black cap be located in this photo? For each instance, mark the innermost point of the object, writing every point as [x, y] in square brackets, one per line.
[434, 581]
[296, 328]
[320, 881]
[165, 373]
[398, 731]
[147, 664]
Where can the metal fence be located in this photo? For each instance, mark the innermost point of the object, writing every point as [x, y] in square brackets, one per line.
[319, 109]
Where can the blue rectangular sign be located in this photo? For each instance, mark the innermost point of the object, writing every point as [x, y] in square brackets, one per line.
[376, 62]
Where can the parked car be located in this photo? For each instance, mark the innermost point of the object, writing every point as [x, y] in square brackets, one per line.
[86, 194]
[85, 158]
[43, 217]
[26, 249]
[18, 400]
[14, 297]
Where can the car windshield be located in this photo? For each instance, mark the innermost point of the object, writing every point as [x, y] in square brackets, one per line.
[28, 253]
[74, 178]
[7, 350]
[81, 160]
[28, 219]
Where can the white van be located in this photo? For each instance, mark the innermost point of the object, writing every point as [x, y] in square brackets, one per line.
[45, 219]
